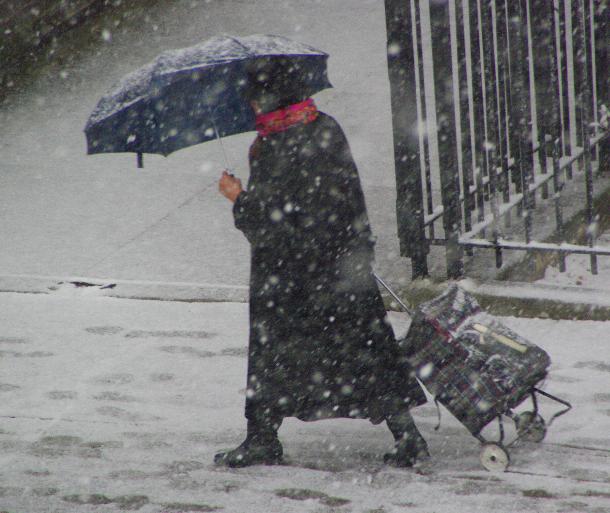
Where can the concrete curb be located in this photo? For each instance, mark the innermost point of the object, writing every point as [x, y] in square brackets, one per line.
[522, 299]
[125, 289]
[519, 299]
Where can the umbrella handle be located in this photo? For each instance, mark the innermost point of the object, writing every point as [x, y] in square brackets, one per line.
[222, 146]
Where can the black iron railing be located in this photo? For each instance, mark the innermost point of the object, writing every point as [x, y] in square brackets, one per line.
[518, 87]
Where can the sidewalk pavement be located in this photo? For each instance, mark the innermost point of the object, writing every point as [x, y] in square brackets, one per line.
[114, 405]
[68, 214]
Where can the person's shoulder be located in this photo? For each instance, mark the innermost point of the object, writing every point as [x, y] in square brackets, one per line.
[327, 120]
[326, 125]
[262, 147]
[255, 148]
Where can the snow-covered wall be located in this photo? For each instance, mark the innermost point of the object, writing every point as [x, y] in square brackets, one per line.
[26, 25]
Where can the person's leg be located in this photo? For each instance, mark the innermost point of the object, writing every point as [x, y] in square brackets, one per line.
[261, 446]
[409, 446]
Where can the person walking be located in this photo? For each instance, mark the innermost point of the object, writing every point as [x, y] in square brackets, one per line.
[320, 343]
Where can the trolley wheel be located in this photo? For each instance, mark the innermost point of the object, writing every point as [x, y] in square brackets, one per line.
[530, 427]
[494, 457]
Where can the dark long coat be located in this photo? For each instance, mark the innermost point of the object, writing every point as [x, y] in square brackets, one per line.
[320, 342]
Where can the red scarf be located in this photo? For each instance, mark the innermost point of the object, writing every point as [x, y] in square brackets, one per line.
[282, 119]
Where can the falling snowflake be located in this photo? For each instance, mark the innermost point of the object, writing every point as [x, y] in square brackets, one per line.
[393, 49]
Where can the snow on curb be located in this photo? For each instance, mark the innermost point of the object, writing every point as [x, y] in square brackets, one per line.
[126, 289]
[542, 300]
[563, 294]
[507, 298]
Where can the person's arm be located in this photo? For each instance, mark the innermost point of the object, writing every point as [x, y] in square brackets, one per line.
[249, 214]
[229, 186]
[263, 212]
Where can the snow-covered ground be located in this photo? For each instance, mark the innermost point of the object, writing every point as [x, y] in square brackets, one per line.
[578, 270]
[113, 405]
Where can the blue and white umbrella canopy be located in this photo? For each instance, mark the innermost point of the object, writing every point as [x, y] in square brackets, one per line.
[192, 95]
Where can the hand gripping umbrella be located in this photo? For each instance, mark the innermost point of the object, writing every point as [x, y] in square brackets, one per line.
[192, 95]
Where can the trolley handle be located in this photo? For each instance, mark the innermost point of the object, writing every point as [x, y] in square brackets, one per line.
[393, 294]
[567, 405]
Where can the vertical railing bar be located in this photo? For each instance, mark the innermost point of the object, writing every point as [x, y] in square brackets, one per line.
[485, 122]
[500, 28]
[488, 20]
[578, 82]
[506, 44]
[507, 83]
[602, 63]
[566, 73]
[571, 91]
[491, 103]
[467, 178]
[592, 71]
[559, 54]
[513, 45]
[468, 37]
[479, 116]
[525, 144]
[585, 107]
[529, 72]
[533, 148]
[557, 189]
[541, 44]
[511, 127]
[422, 114]
[555, 125]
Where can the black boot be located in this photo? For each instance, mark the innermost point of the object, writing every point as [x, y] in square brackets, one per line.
[410, 446]
[261, 447]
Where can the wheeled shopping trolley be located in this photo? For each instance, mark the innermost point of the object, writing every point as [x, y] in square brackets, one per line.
[478, 369]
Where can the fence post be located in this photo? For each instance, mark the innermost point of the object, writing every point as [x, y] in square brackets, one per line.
[555, 124]
[493, 142]
[409, 195]
[447, 144]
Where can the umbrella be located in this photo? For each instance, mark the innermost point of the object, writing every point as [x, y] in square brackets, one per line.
[192, 95]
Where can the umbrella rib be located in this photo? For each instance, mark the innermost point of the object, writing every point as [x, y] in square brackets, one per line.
[222, 146]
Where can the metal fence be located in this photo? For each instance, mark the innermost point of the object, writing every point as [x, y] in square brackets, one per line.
[496, 105]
